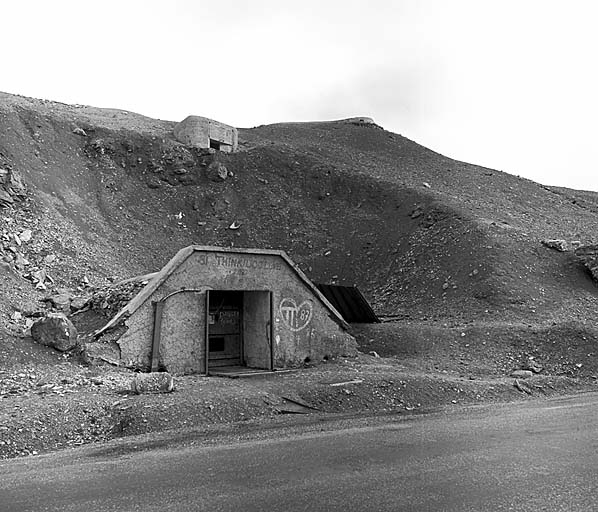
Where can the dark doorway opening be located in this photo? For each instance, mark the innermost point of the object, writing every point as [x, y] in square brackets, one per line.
[225, 335]
[214, 144]
[238, 329]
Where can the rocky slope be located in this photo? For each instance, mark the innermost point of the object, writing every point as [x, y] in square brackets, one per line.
[111, 194]
[451, 251]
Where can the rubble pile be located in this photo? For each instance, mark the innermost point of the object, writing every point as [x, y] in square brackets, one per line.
[23, 254]
[111, 299]
[34, 381]
[11, 186]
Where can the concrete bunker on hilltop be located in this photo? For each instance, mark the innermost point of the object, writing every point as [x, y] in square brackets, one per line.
[201, 132]
[215, 309]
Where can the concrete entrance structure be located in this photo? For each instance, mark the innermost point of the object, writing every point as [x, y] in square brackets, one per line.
[211, 307]
[201, 132]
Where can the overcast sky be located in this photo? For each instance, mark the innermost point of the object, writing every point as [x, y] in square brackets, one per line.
[509, 84]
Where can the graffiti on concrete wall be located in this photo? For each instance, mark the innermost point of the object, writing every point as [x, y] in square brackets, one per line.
[295, 316]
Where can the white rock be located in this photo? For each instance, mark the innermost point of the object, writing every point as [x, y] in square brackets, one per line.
[25, 236]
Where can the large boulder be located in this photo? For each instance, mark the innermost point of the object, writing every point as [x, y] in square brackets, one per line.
[55, 330]
[155, 382]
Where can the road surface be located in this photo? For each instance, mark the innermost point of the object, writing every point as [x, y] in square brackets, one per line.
[536, 455]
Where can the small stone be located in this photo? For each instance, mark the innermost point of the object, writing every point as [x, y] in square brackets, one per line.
[79, 131]
[374, 353]
[79, 303]
[25, 235]
[61, 301]
[20, 261]
[532, 366]
[50, 258]
[39, 276]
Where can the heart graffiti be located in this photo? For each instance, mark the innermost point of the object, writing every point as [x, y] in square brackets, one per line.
[295, 317]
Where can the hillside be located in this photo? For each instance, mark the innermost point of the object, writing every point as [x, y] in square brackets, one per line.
[111, 194]
[450, 253]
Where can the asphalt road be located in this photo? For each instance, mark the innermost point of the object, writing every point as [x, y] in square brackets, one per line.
[537, 455]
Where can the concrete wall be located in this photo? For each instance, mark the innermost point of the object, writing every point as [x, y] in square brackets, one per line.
[303, 327]
[197, 131]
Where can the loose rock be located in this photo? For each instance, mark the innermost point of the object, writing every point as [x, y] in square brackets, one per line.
[559, 245]
[155, 382]
[25, 235]
[217, 172]
[588, 254]
[56, 331]
[61, 301]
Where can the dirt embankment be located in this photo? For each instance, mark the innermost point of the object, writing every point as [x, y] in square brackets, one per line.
[112, 194]
[51, 401]
[47, 407]
[452, 250]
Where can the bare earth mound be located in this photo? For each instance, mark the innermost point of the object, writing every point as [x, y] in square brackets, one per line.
[438, 246]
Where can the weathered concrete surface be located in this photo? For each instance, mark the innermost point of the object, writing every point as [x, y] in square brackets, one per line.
[303, 330]
[108, 352]
[200, 131]
[357, 120]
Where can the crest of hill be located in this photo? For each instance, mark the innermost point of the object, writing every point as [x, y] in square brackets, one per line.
[422, 235]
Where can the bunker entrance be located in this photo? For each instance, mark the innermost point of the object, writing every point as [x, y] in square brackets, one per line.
[238, 330]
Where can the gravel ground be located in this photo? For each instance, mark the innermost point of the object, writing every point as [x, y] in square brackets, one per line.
[44, 407]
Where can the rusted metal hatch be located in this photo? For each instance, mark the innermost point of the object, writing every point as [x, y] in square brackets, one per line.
[349, 302]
